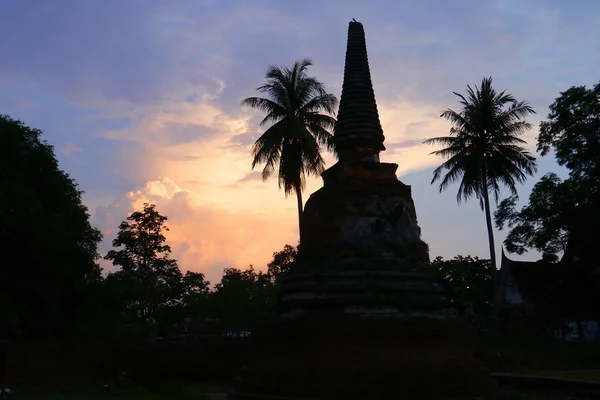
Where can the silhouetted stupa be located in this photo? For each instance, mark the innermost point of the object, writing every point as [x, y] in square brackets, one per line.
[359, 318]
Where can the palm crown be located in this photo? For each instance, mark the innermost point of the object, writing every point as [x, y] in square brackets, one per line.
[293, 107]
[484, 149]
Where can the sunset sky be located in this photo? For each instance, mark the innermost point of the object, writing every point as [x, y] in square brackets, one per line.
[141, 100]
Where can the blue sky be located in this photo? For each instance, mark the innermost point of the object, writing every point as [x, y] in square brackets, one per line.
[141, 100]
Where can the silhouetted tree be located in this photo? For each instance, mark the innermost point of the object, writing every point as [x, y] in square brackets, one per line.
[195, 290]
[541, 225]
[560, 213]
[467, 282]
[149, 280]
[243, 299]
[484, 150]
[48, 246]
[282, 262]
[297, 129]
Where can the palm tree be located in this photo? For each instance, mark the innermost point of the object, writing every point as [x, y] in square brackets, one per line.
[484, 151]
[297, 128]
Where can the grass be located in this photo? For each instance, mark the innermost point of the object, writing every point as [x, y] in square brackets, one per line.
[196, 391]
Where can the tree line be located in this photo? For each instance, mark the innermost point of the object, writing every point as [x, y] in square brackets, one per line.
[483, 152]
[51, 282]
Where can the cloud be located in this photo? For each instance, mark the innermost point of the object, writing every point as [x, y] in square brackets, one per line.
[226, 220]
[127, 58]
[220, 212]
[152, 89]
[69, 148]
[146, 52]
[14, 103]
[179, 122]
[220, 168]
[106, 50]
[254, 176]
[404, 144]
[203, 236]
[243, 139]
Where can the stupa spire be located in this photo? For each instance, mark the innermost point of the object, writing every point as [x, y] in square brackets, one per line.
[358, 132]
[359, 285]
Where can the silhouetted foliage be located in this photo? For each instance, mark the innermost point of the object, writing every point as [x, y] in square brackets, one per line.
[48, 245]
[559, 213]
[149, 287]
[484, 150]
[297, 129]
[282, 262]
[572, 132]
[467, 282]
[149, 295]
[148, 275]
[195, 291]
[243, 299]
[542, 224]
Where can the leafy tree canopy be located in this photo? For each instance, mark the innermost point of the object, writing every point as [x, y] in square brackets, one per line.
[282, 261]
[543, 223]
[572, 132]
[150, 283]
[242, 299]
[49, 246]
[559, 213]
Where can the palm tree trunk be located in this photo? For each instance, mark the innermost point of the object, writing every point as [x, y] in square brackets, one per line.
[300, 206]
[495, 274]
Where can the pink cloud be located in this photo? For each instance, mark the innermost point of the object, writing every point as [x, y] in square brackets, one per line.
[204, 237]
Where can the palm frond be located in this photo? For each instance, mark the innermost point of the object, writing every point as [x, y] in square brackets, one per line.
[311, 155]
[271, 159]
[272, 117]
[520, 110]
[291, 168]
[299, 109]
[306, 89]
[322, 102]
[277, 91]
[268, 143]
[323, 136]
[276, 74]
[484, 150]
[265, 105]
[443, 140]
[457, 119]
